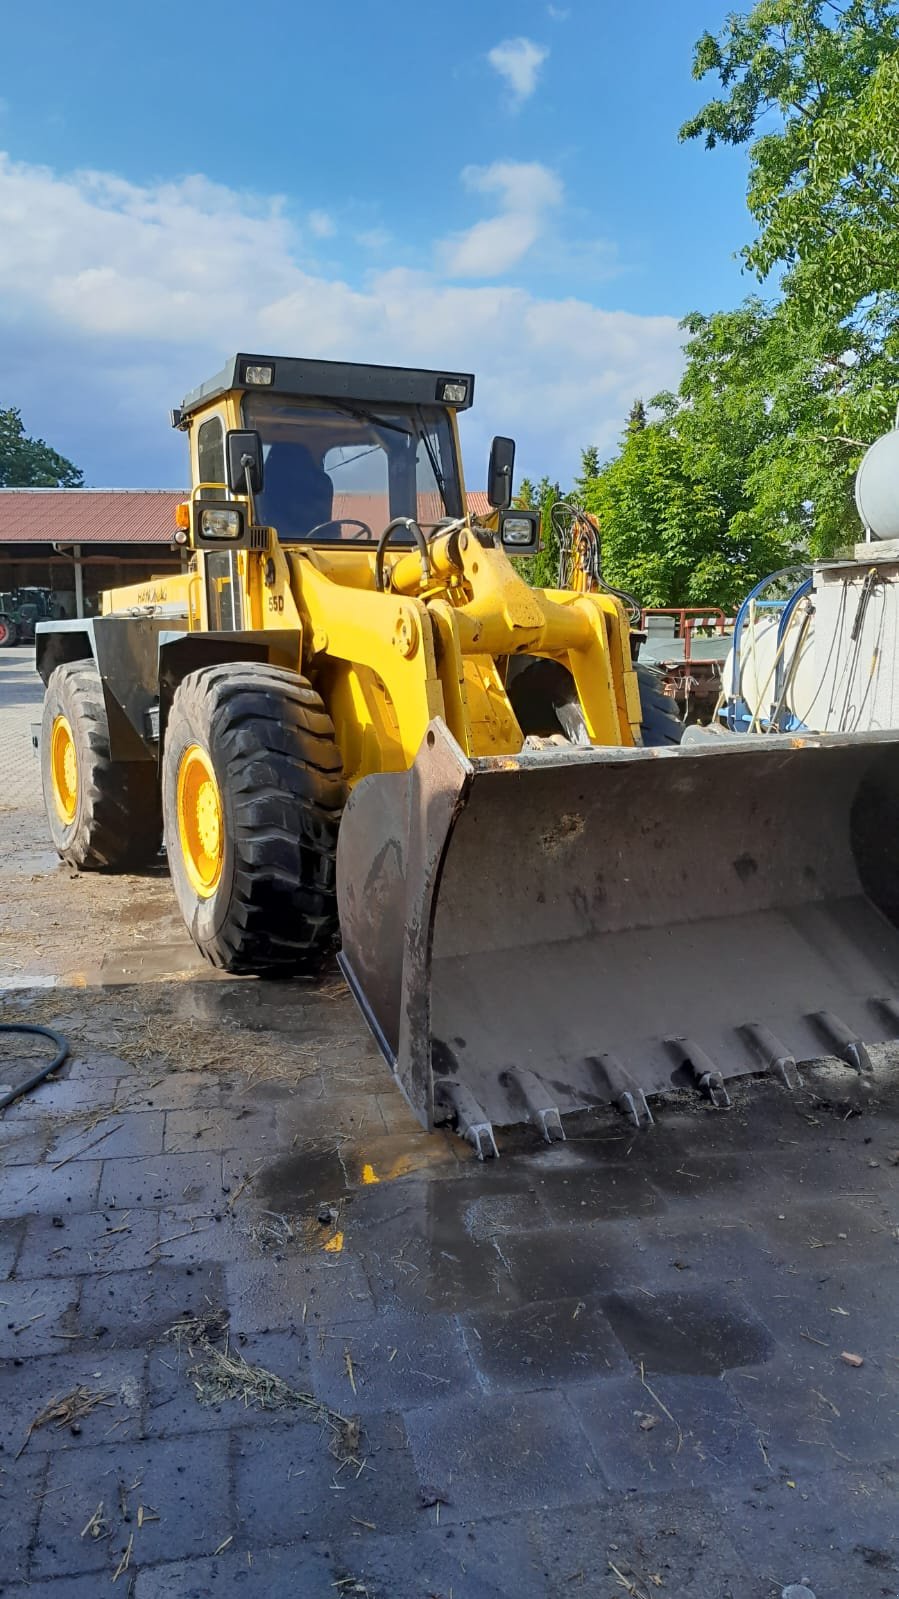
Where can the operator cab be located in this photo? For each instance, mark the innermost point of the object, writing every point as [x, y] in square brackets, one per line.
[340, 450]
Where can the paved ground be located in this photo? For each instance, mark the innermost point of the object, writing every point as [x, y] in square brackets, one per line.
[260, 1335]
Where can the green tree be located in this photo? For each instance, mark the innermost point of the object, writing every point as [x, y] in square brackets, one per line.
[30, 463]
[752, 462]
[589, 469]
[812, 87]
[526, 498]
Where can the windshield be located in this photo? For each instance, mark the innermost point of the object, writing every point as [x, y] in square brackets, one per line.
[343, 473]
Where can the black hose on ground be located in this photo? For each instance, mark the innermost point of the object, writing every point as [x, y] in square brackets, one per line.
[62, 1050]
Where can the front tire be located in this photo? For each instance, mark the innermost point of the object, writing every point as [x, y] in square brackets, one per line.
[9, 633]
[253, 793]
[103, 814]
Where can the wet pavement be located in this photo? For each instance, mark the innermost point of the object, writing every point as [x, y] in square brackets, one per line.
[260, 1335]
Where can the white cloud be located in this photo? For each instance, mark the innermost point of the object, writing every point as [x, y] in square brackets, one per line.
[374, 238]
[321, 225]
[115, 298]
[558, 13]
[518, 62]
[526, 191]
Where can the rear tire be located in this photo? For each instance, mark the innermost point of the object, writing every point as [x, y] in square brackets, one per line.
[9, 633]
[103, 814]
[659, 721]
[253, 793]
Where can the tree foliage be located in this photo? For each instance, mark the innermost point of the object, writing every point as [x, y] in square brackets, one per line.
[30, 463]
[812, 87]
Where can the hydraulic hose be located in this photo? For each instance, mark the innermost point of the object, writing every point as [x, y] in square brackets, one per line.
[62, 1050]
[411, 526]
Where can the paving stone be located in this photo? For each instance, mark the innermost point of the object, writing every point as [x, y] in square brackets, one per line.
[268, 1573]
[287, 1482]
[11, 1235]
[542, 1345]
[171, 1090]
[28, 1388]
[565, 1262]
[687, 1430]
[675, 1253]
[812, 1407]
[20, 1487]
[496, 1453]
[418, 1255]
[311, 1289]
[60, 1097]
[397, 1361]
[241, 1128]
[87, 1068]
[184, 1481]
[31, 1190]
[162, 1179]
[599, 1191]
[24, 1142]
[437, 1561]
[355, 1117]
[835, 1529]
[843, 1308]
[703, 1330]
[88, 1241]
[189, 1234]
[679, 1539]
[174, 1407]
[134, 1307]
[123, 1133]
[831, 1233]
[34, 1313]
[62, 1588]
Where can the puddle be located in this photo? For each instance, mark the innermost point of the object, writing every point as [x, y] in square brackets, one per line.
[10, 984]
[147, 963]
[696, 1334]
[299, 1182]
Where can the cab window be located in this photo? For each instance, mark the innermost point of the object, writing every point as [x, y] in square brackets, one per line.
[211, 453]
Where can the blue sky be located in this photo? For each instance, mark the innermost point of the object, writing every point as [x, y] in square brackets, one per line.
[497, 187]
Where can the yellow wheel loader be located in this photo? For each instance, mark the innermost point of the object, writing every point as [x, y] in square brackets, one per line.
[350, 717]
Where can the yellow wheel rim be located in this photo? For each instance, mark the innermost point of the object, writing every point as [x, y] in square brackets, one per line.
[201, 832]
[64, 769]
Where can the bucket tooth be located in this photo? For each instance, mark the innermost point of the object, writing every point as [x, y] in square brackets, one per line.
[774, 1056]
[623, 1090]
[844, 1041]
[705, 1073]
[458, 1104]
[528, 1090]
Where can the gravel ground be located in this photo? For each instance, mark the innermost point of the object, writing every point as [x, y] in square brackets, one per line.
[261, 1335]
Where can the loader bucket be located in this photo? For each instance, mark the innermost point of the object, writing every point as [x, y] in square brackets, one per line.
[530, 936]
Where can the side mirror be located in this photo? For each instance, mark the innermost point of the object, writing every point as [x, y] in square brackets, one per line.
[244, 452]
[499, 473]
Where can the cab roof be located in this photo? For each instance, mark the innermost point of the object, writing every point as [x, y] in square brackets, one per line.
[332, 380]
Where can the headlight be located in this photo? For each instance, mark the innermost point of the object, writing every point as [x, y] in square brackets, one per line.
[518, 530]
[220, 524]
[453, 391]
[259, 374]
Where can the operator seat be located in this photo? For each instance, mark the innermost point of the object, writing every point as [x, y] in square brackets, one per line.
[297, 495]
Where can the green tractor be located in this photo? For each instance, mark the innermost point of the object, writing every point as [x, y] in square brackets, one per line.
[20, 611]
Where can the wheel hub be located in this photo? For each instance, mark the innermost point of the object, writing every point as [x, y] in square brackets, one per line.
[200, 829]
[64, 769]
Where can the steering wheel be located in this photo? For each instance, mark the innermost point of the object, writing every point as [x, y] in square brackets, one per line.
[342, 521]
[409, 524]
